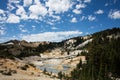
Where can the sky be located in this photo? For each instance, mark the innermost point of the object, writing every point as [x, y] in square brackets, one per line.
[56, 20]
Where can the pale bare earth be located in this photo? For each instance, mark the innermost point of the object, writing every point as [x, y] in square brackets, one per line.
[16, 69]
[11, 70]
[58, 58]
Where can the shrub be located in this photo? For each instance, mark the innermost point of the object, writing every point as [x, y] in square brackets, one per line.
[24, 67]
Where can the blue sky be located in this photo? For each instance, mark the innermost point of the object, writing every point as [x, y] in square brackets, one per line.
[56, 20]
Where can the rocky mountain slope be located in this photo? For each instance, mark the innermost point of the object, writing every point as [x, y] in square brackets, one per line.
[68, 52]
[24, 48]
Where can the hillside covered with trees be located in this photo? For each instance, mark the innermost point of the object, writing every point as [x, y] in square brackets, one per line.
[103, 58]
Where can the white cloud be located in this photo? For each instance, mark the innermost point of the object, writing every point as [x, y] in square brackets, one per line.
[46, 10]
[91, 18]
[21, 12]
[106, 4]
[1, 11]
[12, 18]
[21, 28]
[27, 3]
[55, 17]
[10, 7]
[87, 1]
[99, 11]
[51, 36]
[2, 32]
[54, 28]
[37, 10]
[74, 20]
[49, 22]
[52, 21]
[37, 2]
[79, 6]
[12, 4]
[114, 14]
[2, 16]
[14, 1]
[33, 16]
[33, 27]
[83, 18]
[2, 19]
[59, 6]
[76, 11]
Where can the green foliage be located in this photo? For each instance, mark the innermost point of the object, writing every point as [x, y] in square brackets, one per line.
[103, 58]
[28, 51]
[31, 64]
[4, 53]
[79, 65]
[60, 75]
[45, 47]
[7, 73]
[44, 71]
[24, 67]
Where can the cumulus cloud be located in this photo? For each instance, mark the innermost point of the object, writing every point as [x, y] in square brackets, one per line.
[2, 32]
[76, 11]
[74, 20]
[79, 6]
[58, 6]
[2, 16]
[37, 2]
[14, 1]
[12, 4]
[49, 22]
[114, 14]
[106, 4]
[12, 18]
[99, 11]
[37, 10]
[10, 7]
[55, 17]
[91, 18]
[33, 27]
[54, 28]
[87, 1]
[1, 11]
[21, 28]
[27, 3]
[21, 12]
[83, 18]
[51, 36]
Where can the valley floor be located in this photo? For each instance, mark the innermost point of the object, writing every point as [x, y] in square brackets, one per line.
[16, 70]
[24, 69]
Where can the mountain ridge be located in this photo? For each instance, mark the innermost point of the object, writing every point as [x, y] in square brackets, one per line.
[16, 47]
